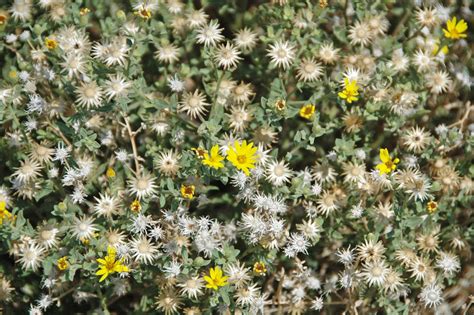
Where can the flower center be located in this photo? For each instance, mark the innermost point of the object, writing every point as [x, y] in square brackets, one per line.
[279, 170]
[389, 164]
[41, 151]
[377, 271]
[143, 248]
[116, 87]
[227, 54]
[142, 184]
[281, 53]
[193, 102]
[46, 235]
[112, 238]
[432, 296]
[110, 264]
[239, 90]
[89, 92]
[309, 67]
[242, 159]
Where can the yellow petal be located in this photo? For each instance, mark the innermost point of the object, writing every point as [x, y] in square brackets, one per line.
[384, 155]
[451, 23]
[215, 150]
[462, 26]
[211, 286]
[382, 168]
[103, 277]
[237, 145]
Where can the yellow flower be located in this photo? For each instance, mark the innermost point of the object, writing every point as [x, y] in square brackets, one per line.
[109, 265]
[84, 241]
[63, 264]
[84, 11]
[3, 18]
[307, 111]
[215, 279]
[136, 206]
[455, 30]
[12, 74]
[110, 172]
[444, 49]
[280, 105]
[187, 191]
[259, 268]
[51, 43]
[351, 90]
[199, 152]
[243, 156]
[4, 213]
[431, 206]
[388, 165]
[214, 159]
[143, 13]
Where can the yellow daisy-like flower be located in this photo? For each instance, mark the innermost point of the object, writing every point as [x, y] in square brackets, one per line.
[84, 11]
[187, 191]
[243, 156]
[63, 264]
[454, 29]
[136, 206]
[307, 111]
[280, 105]
[50, 43]
[109, 265]
[388, 165]
[199, 152]
[144, 13]
[259, 268]
[214, 159]
[431, 206]
[110, 172]
[4, 213]
[12, 74]
[84, 241]
[350, 92]
[215, 279]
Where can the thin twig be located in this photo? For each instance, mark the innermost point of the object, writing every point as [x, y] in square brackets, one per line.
[471, 297]
[277, 298]
[59, 133]
[132, 135]
[464, 117]
[346, 20]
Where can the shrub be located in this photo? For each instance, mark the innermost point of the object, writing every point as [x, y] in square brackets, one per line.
[236, 157]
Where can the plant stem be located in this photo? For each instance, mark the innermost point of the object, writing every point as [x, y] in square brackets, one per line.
[58, 132]
[132, 135]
